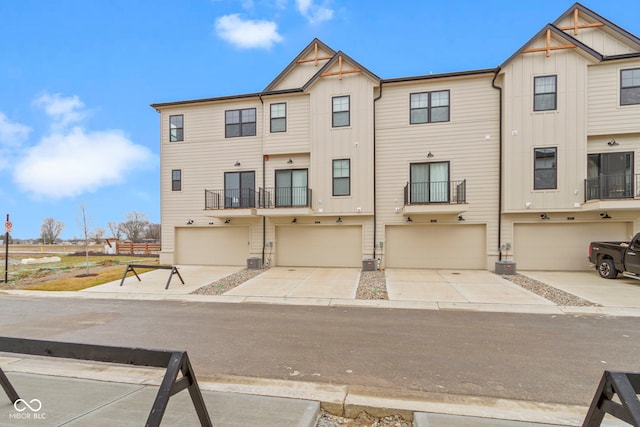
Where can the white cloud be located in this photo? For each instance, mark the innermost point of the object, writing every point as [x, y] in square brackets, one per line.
[12, 135]
[71, 160]
[78, 161]
[313, 12]
[247, 34]
[63, 110]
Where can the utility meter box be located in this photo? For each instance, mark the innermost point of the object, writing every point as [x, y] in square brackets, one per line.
[369, 264]
[254, 263]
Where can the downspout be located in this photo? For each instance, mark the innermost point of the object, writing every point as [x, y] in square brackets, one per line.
[375, 222]
[264, 219]
[493, 84]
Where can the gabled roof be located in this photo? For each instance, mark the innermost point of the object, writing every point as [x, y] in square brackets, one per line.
[555, 30]
[621, 31]
[311, 46]
[337, 58]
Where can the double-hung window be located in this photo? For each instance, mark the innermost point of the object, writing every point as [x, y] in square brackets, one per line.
[240, 123]
[341, 177]
[429, 107]
[291, 187]
[239, 189]
[340, 111]
[545, 168]
[278, 117]
[630, 86]
[545, 93]
[429, 182]
[176, 128]
[176, 180]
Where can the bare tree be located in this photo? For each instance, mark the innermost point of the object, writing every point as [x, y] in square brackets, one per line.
[50, 230]
[135, 226]
[97, 234]
[153, 232]
[114, 229]
[85, 231]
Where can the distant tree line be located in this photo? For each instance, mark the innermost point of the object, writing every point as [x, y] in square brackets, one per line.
[136, 228]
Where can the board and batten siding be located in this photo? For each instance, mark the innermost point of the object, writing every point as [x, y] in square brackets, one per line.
[526, 129]
[605, 114]
[601, 39]
[469, 142]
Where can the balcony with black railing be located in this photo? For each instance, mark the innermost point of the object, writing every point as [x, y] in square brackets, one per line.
[234, 202]
[435, 197]
[282, 201]
[611, 187]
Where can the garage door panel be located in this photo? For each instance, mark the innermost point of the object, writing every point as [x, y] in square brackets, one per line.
[437, 246]
[212, 246]
[323, 246]
[561, 246]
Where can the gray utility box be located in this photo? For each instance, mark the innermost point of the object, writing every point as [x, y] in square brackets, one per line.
[369, 264]
[254, 263]
[505, 267]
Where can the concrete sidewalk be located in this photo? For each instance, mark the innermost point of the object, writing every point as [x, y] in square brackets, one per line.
[78, 393]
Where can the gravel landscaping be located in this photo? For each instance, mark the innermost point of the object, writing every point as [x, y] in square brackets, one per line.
[363, 420]
[555, 295]
[225, 284]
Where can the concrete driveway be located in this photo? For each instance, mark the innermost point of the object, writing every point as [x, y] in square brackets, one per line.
[301, 282]
[620, 292]
[457, 286]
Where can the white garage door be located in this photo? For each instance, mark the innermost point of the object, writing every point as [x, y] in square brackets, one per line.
[436, 246]
[561, 246]
[212, 246]
[319, 246]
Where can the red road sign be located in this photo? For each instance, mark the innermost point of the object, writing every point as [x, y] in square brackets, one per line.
[8, 226]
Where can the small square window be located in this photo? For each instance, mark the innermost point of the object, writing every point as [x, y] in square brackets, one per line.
[545, 93]
[176, 128]
[340, 108]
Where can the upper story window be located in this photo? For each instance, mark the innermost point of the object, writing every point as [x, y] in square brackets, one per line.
[630, 86]
[176, 128]
[340, 109]
[279, 117]
[545, 168]
[429, 182]
[341, 177]
[176, 180]
[291, 187]
[239, 189]
[429, 107]
[545, 93]
[240, 123]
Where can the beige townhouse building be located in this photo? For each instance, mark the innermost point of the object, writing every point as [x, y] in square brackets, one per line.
[331, 165]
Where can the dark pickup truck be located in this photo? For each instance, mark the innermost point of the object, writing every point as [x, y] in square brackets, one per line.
[611, 258]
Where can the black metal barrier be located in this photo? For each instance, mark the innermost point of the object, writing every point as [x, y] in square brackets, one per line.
[175, 362]
[626, 386]
[132, 267]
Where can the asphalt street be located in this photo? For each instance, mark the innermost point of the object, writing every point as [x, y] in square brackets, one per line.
[540, 358]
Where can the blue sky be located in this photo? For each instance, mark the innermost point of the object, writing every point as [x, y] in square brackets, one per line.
[77, 78]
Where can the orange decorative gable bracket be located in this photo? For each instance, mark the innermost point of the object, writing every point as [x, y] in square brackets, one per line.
[315, 58]
[340, 71]
[548, 48]
[575, 27]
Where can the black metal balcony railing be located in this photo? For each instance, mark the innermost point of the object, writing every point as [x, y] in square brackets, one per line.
[230, 198]
[435, 192]
[607, 187]
[285, 197]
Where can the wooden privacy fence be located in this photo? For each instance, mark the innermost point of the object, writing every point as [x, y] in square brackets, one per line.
[130, 248]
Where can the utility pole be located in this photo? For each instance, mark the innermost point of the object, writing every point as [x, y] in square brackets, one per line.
[7, 229]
